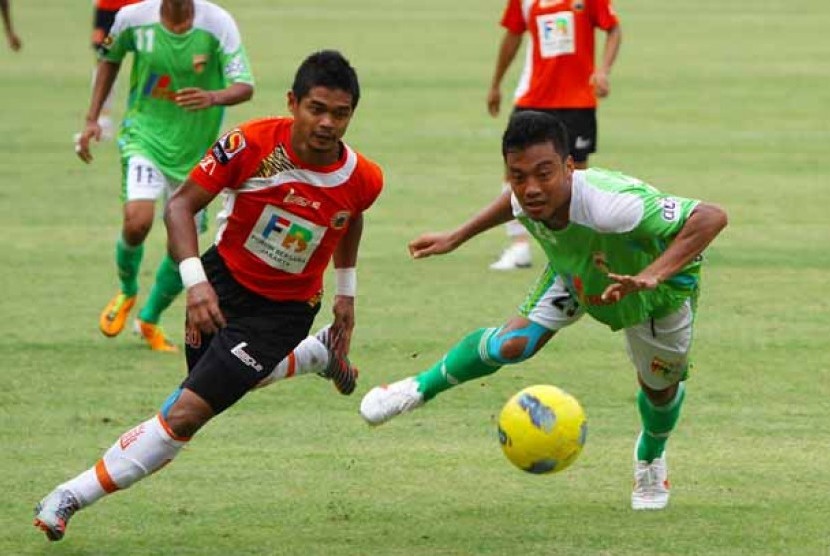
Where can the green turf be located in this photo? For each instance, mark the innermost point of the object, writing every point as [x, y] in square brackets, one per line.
[726, 101]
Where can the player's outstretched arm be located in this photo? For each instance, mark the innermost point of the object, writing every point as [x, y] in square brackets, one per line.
[496, 213]
[193, 98]
[704, 224]
[183, 244]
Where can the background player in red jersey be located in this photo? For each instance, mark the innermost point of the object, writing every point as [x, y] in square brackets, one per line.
[296, 194]
[559, 77]
[11, 36]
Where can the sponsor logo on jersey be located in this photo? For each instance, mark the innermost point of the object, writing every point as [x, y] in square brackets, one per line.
[208, 164]
[199, 62]
[158, 87]
[340, 219]
[235, 68]
[130, 436]
[228, 146]
[292, 198]
[671, 210]
[239, 352]
[296, 237]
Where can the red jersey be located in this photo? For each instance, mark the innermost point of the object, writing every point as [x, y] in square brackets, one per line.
[282, 219]
[560, 56]
[113, 5]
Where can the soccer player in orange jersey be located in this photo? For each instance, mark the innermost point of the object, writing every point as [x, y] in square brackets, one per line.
[11, 36]
[559, 77]
[296, 197]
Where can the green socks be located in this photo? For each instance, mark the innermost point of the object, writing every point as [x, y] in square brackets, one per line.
[658, 422]
[168, 285]
[128, 260]
[465, 361]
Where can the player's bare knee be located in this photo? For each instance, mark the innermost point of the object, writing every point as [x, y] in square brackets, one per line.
[187, 413]
[513, 350]
[660, 397]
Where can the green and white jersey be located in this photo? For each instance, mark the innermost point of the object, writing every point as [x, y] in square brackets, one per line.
[617, 224]
[209, 56]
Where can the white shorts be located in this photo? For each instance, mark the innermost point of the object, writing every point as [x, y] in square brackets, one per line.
[658, 348]
[143, 181]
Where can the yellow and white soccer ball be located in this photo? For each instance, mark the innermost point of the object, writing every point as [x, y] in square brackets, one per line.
[542, 429]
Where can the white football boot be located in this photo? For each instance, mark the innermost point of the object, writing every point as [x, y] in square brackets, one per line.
[514, 257]
[53, 512]
[651, 483]
[382, 403]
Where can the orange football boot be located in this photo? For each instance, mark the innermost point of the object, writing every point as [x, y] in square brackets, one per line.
[154, 336]
[114, 316]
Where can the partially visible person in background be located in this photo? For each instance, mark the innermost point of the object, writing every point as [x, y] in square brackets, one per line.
[188, 64]
[11, 36]
[102, 19]
[559, 77]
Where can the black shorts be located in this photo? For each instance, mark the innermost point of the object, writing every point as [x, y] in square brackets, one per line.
[102, 21]
[260, 333]
[581, 124]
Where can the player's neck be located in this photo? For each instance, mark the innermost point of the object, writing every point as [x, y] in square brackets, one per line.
[311, 157]
[177, 15]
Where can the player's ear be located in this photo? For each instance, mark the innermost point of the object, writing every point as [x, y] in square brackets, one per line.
[291, 102]
[569, 164]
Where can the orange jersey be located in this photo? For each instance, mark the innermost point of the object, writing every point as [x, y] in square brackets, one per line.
[282, 218]
[113, 5]
[560, 56]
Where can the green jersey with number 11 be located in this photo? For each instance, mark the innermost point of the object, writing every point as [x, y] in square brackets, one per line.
[617, 224]
[210, 56]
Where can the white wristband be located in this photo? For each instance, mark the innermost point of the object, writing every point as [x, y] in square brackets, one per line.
[192, 272]
[346, 281]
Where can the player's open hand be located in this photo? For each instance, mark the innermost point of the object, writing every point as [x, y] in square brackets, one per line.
[82, 140]
[193, 98]
[599, 81]
[343, 325]
[431, 244]
[494, 101]
[203, 310]
[625, 284]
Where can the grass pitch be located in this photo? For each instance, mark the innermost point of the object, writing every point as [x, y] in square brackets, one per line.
[725, 101]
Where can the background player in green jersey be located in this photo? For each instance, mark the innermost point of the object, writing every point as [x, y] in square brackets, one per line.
[617, 249]
[188, 63]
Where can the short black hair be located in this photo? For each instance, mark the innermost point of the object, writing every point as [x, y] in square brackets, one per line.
[530, 127]
[326, 68]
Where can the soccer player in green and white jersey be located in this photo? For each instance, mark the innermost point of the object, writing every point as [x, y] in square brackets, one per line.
[188, 64]
[617, 249]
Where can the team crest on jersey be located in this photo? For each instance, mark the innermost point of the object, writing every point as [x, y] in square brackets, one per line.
[199, 62]
[578, 5]
[228, 146]
[340, 219]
